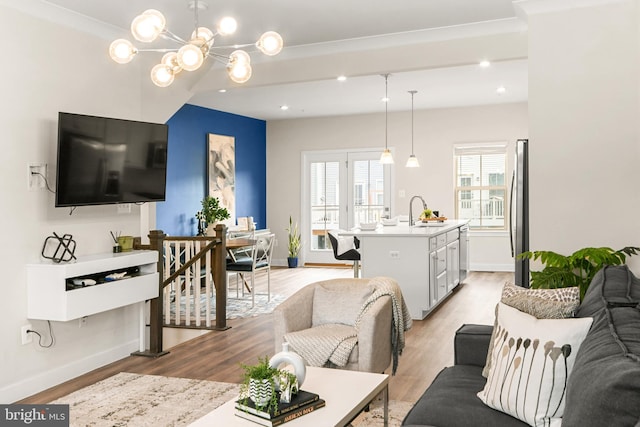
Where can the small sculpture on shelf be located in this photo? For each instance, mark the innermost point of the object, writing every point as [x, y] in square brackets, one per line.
[64, 250]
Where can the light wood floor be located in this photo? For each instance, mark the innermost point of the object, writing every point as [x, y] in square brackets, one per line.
[216, 355]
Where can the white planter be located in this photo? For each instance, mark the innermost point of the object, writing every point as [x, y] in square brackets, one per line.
[260, 391]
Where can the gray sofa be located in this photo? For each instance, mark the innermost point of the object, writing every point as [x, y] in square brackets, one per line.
[603, 388]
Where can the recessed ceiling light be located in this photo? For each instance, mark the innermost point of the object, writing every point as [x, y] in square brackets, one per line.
[222, 90]
[501, 89]
[385, 99]
[485, 64]
[342, 78]
[284, 107]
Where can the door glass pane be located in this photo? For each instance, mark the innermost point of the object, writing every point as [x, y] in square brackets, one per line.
[324, 199]
[368, 191]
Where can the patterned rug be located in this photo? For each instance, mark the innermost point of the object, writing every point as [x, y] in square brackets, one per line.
[238, 308]
[148, 400]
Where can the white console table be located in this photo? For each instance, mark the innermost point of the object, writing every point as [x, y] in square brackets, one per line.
[51, 296]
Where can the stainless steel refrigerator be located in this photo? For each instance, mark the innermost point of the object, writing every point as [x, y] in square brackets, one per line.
[519, 212]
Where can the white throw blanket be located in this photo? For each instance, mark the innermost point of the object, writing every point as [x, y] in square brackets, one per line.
[334, 342]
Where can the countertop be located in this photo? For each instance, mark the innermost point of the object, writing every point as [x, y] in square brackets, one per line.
[403, 229]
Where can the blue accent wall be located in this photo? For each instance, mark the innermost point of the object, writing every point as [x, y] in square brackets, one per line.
[187, 167]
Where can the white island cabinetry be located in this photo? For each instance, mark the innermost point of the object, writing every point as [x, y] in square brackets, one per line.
[425, 261]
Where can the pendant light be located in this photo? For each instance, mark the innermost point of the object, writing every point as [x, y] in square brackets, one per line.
[386, 158]
[412, 161]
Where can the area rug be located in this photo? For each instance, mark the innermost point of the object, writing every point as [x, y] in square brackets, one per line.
[149, 400]
[237, 308]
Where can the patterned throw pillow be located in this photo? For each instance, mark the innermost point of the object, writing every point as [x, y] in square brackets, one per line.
[530, 364]
[540, 303]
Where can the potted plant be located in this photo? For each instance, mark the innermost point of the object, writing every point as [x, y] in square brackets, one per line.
[259, 385]
[295, 243]
[210, 214]
[577, 269]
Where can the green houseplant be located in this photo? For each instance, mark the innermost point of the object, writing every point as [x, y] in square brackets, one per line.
[577, 269]
[211, 213]
[259, 385]
[295, 243]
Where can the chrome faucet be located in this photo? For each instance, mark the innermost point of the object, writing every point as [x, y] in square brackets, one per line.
[424, 206]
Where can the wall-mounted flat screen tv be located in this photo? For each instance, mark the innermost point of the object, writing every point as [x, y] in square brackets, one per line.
[105, 160]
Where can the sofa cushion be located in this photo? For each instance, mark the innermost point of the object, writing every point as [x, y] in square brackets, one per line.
[613, 284]
[540, 303]
[604, 388]
[451, 401]
[530, 365]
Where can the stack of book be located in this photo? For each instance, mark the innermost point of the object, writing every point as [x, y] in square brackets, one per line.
[302, 403]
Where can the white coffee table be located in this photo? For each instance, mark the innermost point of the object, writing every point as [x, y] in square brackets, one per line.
[346, 394]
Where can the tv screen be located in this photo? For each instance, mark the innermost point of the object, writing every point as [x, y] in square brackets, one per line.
[105, 160]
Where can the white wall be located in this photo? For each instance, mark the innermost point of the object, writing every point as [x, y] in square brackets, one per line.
[584, 109]
[57, 69]
[435, 133]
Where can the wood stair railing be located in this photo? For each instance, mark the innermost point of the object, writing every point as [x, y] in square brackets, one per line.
[181, 276]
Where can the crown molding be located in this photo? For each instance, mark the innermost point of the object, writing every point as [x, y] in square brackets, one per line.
[525, 8]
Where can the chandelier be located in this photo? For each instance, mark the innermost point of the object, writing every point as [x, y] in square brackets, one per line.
[189, 55]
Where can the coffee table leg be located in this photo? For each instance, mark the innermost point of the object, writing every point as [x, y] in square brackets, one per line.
[385, 399]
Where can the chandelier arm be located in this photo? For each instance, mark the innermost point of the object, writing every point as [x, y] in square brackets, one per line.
[220, 58]
[233, 46]
[164, 50]
[217, 56]
[168, 35]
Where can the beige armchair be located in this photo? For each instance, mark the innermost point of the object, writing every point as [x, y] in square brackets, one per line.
[331, 310]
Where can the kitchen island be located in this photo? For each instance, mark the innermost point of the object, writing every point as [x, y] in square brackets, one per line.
[428, 261]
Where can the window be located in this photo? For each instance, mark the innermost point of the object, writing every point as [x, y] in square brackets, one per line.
[480, 190]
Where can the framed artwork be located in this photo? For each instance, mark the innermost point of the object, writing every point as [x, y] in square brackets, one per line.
[221, 170]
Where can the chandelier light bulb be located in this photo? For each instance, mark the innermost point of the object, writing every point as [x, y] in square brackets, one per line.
[148, 26]
[122, 51]
[162, 75]
[239, 72]
[170, 59]
[227, 26]
[270, 43]
[239, 56]
[203, 33]
[190, 57]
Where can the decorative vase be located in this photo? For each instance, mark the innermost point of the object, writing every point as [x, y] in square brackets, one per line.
[287, 357]
[260, 391]
[293, 262]
[211, 230]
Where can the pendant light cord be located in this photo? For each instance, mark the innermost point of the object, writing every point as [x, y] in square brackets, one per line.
[386, 109]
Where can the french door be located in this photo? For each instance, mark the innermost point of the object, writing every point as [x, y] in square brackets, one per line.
[341, 190]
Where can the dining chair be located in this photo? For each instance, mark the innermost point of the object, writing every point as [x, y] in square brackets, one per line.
[259, 259]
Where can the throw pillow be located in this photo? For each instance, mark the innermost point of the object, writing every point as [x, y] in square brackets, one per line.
[338, 306]
[541, 303]
[531, 364]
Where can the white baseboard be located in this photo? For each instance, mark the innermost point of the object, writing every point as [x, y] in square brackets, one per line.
[44, 380]
[491, 267]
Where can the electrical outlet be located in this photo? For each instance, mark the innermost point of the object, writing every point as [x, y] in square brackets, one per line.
[26, 337]
[394, 254]
[36, 176]
[82, 322]
[124, 208]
